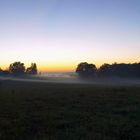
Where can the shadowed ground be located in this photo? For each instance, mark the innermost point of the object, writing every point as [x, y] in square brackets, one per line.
[50, 111]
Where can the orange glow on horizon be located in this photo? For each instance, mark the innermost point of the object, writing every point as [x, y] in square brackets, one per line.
[63, 66]
[48, 68]
[56, 68]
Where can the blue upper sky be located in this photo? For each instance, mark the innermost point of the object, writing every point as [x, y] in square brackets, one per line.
[69, 31]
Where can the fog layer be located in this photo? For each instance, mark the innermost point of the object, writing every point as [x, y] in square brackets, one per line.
[73, 78]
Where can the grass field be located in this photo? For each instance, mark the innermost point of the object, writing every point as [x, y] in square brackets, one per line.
[43, 111]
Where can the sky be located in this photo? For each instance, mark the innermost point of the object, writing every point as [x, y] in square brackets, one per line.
[59, 34]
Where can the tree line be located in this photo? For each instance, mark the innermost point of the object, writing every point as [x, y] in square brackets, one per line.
[109, 70]
[18, 68]
[83, 69]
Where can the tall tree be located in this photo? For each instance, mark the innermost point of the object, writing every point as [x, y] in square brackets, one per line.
[32, 69]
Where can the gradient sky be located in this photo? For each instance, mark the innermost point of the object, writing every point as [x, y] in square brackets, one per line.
[59, 34]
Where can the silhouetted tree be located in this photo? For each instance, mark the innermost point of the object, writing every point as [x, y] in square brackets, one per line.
[107, 70]
[86, 69]
[1, 71]
[120, 70]
[104, 70]
[17, 68]
[32, 69]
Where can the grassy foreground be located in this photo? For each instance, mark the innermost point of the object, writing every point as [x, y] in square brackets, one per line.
[43, 111]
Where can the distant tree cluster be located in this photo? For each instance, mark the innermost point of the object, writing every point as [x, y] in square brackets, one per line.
[108, 70]
[32, 69]
[86, 69]
[18, 68]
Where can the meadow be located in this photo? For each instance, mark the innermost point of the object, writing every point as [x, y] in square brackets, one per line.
[58, 111]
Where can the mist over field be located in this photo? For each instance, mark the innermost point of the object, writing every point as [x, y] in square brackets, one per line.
[74, 78]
